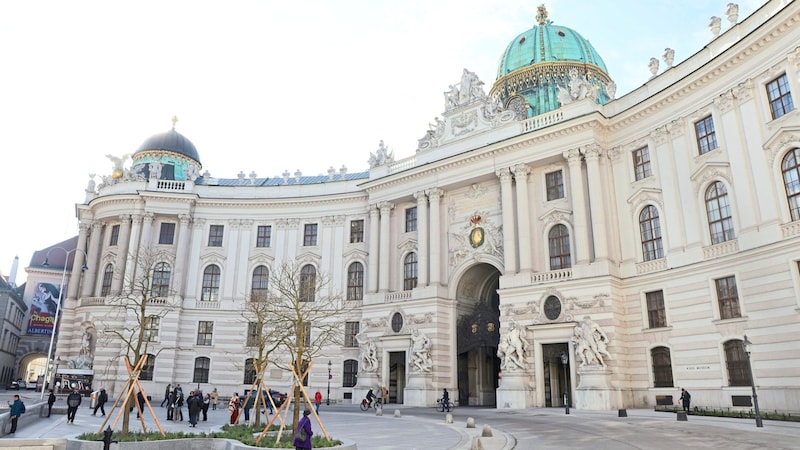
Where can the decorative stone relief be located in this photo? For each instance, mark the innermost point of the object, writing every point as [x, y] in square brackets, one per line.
[725, 101]
[381, 156]
[659, 135]
[590, 343]
[461, 248]
[376, 323]
[743, 91]
[475, 191]
[420, 351]
[668, 56]
[778, 147]
[512, 348]
[714, 25]
[578, 88]
[676, 127]
[417, 319]
[369, 352]
[732, 13]
[464, 123]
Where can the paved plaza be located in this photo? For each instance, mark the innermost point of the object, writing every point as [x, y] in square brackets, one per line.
[425, 428]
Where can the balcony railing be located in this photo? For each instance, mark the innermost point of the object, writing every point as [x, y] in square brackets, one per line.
[553, 275]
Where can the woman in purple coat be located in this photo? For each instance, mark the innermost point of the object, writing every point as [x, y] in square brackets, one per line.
[304, 432]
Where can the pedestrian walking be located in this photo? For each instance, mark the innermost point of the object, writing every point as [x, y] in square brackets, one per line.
[686, 399]
[140, 403]
[302, 439]
[166, 395]
[317, 400]
[101, 401]
[194, 403]
[73, 402]
[51, 399]
[214, 399]
[17, 409]
[233, 408]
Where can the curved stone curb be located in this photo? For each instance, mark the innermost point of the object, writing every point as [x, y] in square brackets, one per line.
[185, 444]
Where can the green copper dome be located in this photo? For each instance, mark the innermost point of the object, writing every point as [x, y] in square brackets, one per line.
[539, 60]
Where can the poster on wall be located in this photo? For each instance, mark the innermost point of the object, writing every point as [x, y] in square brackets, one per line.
[43, 309]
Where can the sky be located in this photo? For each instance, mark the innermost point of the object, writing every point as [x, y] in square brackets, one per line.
[266, 86]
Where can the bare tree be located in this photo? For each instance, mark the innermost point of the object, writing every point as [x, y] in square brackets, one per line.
[264, 336]
[309, 315]
[137, 311]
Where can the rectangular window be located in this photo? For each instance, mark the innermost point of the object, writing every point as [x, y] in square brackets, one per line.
[167, 236]
[411, 219]
[114, 235]
[151, 324]
[350, 332]
[306, 333]
[780, 96]
[205, 331]
[215, 233]
[656, 312]
[310, 235]
[253, 334]
[555, 185]
[641, 163]
[356, 231]
[264, 236]
[728, 298]
[706, 136]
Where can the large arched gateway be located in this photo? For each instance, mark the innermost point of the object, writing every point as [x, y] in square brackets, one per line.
[478, 333]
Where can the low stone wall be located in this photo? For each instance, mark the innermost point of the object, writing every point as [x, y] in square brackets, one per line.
[31, 414]
[179, 444]
[36, 444]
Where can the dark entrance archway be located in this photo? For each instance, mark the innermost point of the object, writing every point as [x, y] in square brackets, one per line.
[478, 334]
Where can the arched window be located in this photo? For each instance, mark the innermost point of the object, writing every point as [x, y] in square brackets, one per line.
[210, 292]
[791, 181]
[558, 239]
[148, 368]
[308, 283]
[736, 362]
[258, 291]
[650, 229]
[410, 272]
[161, 276]
[662, 367]
[355, 281]
[249, 371]
[720, 224]
[350, 375]
[202, 366]
[108, 277]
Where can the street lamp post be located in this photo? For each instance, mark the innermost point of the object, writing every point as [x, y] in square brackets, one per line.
[55, 374]
[328, 401]
[58, 304]
[746, 344]
[564, 361]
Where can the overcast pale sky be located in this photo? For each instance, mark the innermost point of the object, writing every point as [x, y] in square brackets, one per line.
[265, 86]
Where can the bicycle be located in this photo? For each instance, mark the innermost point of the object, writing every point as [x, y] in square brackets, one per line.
[441, 406]
[365, 404]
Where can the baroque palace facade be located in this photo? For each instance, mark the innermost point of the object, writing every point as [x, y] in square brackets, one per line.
[641, 237]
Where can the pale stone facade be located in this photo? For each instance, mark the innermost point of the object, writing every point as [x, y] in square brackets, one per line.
[640, 244]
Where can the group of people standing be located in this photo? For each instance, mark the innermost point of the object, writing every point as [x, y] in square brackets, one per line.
[195, 402]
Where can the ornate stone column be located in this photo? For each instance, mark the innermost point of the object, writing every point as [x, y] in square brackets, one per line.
[372, 270]
[581, 229]
[509, 231]
[597, 205]
[521, 172]
[132, 253]
[122, 252]
[87, 290]
[434, 199]
[385, 264]
[180, 253]
[77, 262]
[422, 234]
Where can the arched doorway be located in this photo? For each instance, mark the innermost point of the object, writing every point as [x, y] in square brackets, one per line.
[478, 334]
[32, 367]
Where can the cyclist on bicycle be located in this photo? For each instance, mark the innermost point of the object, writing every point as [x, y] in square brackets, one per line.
[446, 400]
[371, 398]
